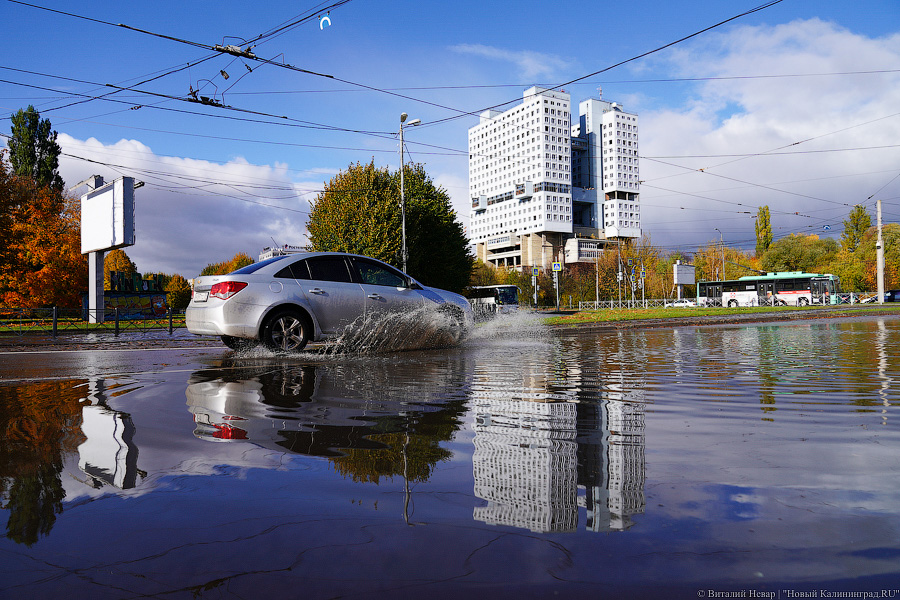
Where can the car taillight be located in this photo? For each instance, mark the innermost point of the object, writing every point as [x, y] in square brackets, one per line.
[227, 432]
[226, 289]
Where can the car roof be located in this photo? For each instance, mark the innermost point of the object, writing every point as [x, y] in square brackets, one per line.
[292, 257]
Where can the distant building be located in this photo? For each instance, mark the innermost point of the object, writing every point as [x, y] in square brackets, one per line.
[271, 252]
[546, 191]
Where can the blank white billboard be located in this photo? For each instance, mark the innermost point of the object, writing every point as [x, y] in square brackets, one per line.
[107, 216]
[684, 274]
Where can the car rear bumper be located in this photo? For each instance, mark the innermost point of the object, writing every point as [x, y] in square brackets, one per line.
[216, 318]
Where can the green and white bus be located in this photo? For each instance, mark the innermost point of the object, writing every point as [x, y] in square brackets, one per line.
[787, 288]
[491, 300]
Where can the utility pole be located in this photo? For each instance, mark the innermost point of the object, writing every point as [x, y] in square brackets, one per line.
[879, 258]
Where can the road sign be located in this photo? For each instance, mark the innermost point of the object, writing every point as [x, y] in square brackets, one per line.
[534, 271]
[557, 267]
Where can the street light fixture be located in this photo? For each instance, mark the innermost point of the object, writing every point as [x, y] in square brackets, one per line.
[403, 117]
[722, 242]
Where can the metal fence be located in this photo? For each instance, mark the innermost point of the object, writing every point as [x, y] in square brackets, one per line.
[55, 321]
[844, 298]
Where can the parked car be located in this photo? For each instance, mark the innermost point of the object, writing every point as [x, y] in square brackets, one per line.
[287, 301]
[891, 296]
[680, 304]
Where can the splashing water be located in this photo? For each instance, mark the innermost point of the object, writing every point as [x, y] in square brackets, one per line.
[422, 329]
[393, 332]
[519, 324]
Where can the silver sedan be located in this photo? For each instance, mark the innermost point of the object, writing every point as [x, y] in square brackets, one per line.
[286, 301]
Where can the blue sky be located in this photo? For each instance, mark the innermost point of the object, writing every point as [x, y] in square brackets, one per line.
[220, 181]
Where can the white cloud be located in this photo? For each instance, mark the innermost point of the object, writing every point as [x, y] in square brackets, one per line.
[191, 212]
[529, 63]
[756, 115]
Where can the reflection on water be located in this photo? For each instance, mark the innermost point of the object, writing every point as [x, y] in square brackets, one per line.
[762, 454]
[350, 413]
[532, 455]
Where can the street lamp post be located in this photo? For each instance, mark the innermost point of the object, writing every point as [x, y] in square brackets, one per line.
[403, 117]
[722, 243]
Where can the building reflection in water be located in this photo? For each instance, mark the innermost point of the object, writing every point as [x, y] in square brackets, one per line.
[555, 440]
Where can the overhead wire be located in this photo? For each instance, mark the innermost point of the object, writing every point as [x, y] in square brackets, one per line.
[761, 7]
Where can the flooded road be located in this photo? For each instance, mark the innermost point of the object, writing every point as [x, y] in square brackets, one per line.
[527, 463]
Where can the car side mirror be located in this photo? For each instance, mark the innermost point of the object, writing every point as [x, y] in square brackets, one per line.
[414, 285]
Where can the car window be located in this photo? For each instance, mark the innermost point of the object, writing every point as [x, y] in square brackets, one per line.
[373, 273]
[257, 266]
[329, 268]
[297, 270]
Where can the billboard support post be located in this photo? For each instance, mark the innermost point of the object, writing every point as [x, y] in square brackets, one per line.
[95, 287]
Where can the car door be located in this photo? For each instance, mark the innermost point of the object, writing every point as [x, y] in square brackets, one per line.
[386, 289]
[333, 296]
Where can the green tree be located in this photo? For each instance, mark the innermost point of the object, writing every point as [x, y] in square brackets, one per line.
[800, 253]
[359, 212]
[763, 230]
[483, 274]
[856, 225]
[33, 151]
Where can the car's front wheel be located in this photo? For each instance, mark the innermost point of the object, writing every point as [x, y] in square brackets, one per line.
[286, 331]
[456, 324]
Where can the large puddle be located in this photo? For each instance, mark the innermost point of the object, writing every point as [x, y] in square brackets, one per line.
[524, 463]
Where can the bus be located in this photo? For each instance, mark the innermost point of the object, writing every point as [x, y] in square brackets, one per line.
[794, 288]
[491, 300]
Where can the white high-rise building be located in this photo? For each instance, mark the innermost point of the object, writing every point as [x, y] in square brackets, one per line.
[606, 172]
[536, 180]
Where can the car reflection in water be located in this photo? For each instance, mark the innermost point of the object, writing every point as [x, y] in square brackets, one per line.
[343, 411]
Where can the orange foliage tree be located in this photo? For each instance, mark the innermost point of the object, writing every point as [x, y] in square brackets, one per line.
[40, 262]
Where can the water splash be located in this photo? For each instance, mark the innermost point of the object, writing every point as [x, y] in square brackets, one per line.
[420, 329]
[519, 324]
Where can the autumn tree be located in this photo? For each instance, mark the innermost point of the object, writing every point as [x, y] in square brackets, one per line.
[116, 261]
[40, 255]
[239, 260]
[178, 292]
[763, 230]
[856, 225]
[33, 151]
[359, 212]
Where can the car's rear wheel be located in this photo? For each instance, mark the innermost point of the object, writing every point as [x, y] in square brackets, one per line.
[286, 331]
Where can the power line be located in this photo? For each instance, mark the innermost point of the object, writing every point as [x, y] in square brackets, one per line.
[626, 61]
[246, 53]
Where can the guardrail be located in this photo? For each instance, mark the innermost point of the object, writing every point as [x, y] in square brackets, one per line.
[646, 303]
[54, 321]
[844, 298]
